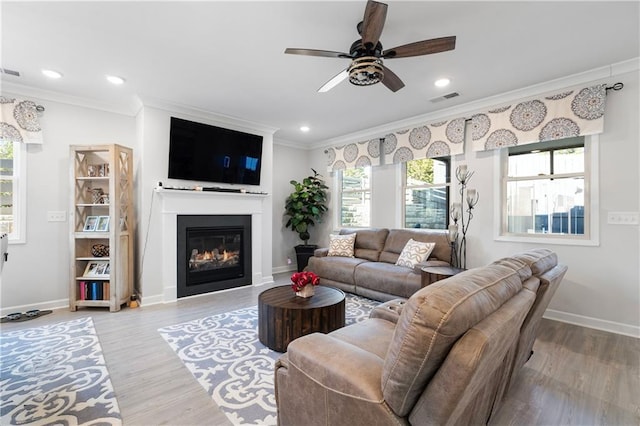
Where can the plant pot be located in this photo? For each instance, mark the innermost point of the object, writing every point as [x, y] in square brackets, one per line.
[307, 291]
[303, 253]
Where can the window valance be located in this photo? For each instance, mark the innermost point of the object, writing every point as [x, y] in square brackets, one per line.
[357, 154]
[566, 114]
[19, 121]
[438, 139]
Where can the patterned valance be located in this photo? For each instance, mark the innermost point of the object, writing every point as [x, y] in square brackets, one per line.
[19, 121]
[358, 154]
[567, 114]
[439, 139]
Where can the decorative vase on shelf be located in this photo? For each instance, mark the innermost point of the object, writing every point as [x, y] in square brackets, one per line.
[307, 291]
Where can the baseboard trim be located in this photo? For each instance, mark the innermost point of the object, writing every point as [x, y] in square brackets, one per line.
[52, 304]
[589, 322]
[283, 269]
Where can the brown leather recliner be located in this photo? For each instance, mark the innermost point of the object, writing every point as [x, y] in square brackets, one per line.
[446, 359]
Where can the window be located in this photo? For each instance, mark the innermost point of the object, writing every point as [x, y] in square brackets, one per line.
[12, 211]
[426, 189]
[355, 197]
[544, 190]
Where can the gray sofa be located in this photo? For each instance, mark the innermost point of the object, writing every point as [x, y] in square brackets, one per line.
[372, 271]
[446, 356]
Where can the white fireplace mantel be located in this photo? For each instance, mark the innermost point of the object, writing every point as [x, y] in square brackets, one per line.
[183, 202]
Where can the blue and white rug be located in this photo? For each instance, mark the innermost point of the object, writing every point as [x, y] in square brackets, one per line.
[224, 354]
[55, 375]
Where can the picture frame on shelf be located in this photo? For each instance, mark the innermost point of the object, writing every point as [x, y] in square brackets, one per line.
[97, 269]
[90, 223]
[102, 224]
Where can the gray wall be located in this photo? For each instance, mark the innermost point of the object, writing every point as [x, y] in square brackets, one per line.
[289, 163]
[37, 272]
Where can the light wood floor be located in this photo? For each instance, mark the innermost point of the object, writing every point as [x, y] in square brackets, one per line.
[576, 376]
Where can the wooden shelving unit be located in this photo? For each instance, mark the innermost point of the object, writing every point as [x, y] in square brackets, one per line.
[101, 213]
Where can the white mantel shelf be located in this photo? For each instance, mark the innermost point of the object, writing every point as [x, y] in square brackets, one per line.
[170, 192]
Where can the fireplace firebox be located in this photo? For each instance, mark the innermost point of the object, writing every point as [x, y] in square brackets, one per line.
[214, 253]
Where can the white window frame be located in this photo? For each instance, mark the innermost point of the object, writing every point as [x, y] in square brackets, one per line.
[19, 177]
[339, 191]
[591, 236]
[404, 187]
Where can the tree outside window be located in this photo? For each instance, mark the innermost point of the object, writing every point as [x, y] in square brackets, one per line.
[355, 197]
[426, 188]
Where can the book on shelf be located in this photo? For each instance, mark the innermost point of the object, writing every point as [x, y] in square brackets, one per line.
[94, 290]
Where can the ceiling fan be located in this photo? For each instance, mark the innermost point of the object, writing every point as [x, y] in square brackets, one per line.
[366, 67]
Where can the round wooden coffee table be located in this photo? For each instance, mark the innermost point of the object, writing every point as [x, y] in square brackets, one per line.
[283, 316]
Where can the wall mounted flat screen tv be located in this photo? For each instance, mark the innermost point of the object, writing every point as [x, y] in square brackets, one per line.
[202, 152]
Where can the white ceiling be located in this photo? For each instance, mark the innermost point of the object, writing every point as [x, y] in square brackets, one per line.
[227, 57]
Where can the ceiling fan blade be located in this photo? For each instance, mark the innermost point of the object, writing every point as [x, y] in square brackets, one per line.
[334, 81]
[374, 16]
[424, 47]
[391, 80]
[315, 52]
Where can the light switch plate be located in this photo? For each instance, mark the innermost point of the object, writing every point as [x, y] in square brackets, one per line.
[622, 218]
[56, 216]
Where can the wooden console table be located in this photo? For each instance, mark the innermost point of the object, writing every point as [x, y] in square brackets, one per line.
[283, 316]
[432, 274]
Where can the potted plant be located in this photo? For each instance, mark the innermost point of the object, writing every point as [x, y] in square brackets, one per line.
[305, 206]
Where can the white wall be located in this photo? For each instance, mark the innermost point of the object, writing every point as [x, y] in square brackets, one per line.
[602, 287]
[289, 163]
[37, 273]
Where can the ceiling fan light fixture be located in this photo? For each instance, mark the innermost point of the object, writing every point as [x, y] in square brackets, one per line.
[366, 71]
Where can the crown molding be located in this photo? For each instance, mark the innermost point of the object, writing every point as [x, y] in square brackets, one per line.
[293, 144]
[206, 115]
[130, 108]
[470, 108]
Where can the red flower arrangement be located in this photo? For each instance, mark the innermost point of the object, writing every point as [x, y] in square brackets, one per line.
[301, 279]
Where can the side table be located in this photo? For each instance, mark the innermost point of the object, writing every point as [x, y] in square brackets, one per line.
[432, 274]
[283, 316]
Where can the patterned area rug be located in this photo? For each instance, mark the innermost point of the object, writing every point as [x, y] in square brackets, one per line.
[224, 354]
[55, 374]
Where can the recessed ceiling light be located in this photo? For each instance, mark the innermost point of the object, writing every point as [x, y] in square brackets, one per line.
[51, 73]
[114, 79]
[304, 128]
[442, 82]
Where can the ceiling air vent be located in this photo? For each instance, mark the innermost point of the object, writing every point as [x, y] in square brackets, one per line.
[445, 97]
[10, 72]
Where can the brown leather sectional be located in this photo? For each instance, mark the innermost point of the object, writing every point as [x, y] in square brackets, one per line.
[446, 355]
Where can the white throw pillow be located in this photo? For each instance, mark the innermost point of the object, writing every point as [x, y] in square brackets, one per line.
[414, 252]
[341, 245]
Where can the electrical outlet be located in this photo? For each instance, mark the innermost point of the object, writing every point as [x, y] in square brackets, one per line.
[622, 218]
[56, 216]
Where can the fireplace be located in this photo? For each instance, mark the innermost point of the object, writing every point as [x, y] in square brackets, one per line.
[213, 253]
